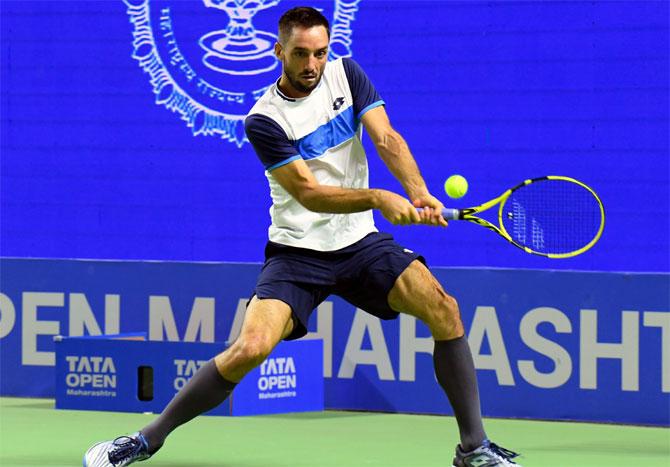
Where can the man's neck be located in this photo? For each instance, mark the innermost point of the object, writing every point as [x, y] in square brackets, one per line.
[288, 90]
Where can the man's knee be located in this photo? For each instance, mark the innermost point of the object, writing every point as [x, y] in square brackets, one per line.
[255, 348]
[445, 317]
[246, 353]
[265, 323]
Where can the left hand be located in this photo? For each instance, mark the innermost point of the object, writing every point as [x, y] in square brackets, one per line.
[432, 210]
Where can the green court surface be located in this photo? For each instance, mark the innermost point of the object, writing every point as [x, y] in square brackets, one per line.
[33, 433]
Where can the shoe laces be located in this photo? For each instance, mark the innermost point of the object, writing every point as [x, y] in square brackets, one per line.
[125, 448]
[502, 452]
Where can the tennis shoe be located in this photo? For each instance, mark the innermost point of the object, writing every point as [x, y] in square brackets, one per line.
[123, 451]
[486, 455]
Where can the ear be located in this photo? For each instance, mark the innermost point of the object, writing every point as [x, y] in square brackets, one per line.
[278, 50]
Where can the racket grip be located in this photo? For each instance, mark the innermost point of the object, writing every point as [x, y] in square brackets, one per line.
[449, 214]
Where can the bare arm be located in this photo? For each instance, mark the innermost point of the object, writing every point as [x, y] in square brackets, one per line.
[298, 180]
[395, 153]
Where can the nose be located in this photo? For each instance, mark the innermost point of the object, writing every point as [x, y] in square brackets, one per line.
[312, 63]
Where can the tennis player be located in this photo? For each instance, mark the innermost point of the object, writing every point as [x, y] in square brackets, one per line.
[306, 130]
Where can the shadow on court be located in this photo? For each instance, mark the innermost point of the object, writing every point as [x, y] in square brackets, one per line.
[32, 404]
[607, 447]
[320, 415]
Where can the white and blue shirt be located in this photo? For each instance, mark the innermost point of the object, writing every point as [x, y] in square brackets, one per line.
[323, 129]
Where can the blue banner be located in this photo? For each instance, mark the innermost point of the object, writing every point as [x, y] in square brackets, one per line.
[117, 374]
[124, 140]
[547, 344]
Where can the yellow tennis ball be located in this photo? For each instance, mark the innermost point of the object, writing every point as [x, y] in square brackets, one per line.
[456, 186]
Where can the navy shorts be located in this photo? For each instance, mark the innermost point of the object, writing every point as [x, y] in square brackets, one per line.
[363, 274]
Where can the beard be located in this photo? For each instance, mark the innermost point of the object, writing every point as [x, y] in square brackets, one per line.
[300, 87]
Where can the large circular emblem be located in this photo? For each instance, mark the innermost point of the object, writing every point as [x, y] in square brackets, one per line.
[210, 60]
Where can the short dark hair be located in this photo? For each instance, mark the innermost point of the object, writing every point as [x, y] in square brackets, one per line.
[300, 16]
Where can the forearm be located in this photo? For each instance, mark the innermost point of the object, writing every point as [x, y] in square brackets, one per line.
[396, 155]
[323, 198]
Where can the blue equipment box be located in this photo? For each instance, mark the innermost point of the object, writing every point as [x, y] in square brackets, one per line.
[126, 373]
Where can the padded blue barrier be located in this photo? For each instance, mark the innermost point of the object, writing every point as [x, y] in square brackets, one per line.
[118, 374]
[547, 344]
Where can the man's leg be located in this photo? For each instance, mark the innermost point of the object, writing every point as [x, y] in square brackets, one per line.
[418, 293]
[266, 322]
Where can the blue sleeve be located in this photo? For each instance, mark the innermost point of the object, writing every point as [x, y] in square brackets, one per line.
[270, 142]
[363, 92]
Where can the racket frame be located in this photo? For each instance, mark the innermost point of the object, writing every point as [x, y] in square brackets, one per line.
[468, 214]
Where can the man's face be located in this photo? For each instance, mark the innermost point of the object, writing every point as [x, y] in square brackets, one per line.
[303, 58]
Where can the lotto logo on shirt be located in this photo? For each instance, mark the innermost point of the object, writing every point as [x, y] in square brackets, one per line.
[90, 376]
[278, 378]
[185, 369]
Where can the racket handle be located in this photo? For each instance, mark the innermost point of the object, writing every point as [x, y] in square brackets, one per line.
[449, 214]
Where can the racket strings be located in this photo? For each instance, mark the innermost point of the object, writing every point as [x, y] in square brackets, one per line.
[552, 216]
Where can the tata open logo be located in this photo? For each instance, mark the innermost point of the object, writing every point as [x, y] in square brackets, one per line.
[90, 376]
[209, 61]
[278, 378]
[184, 370]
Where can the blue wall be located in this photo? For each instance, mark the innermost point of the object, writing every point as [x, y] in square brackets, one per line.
[93, 167]
[597, 342]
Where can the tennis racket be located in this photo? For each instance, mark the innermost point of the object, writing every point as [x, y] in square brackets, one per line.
[552, 216]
